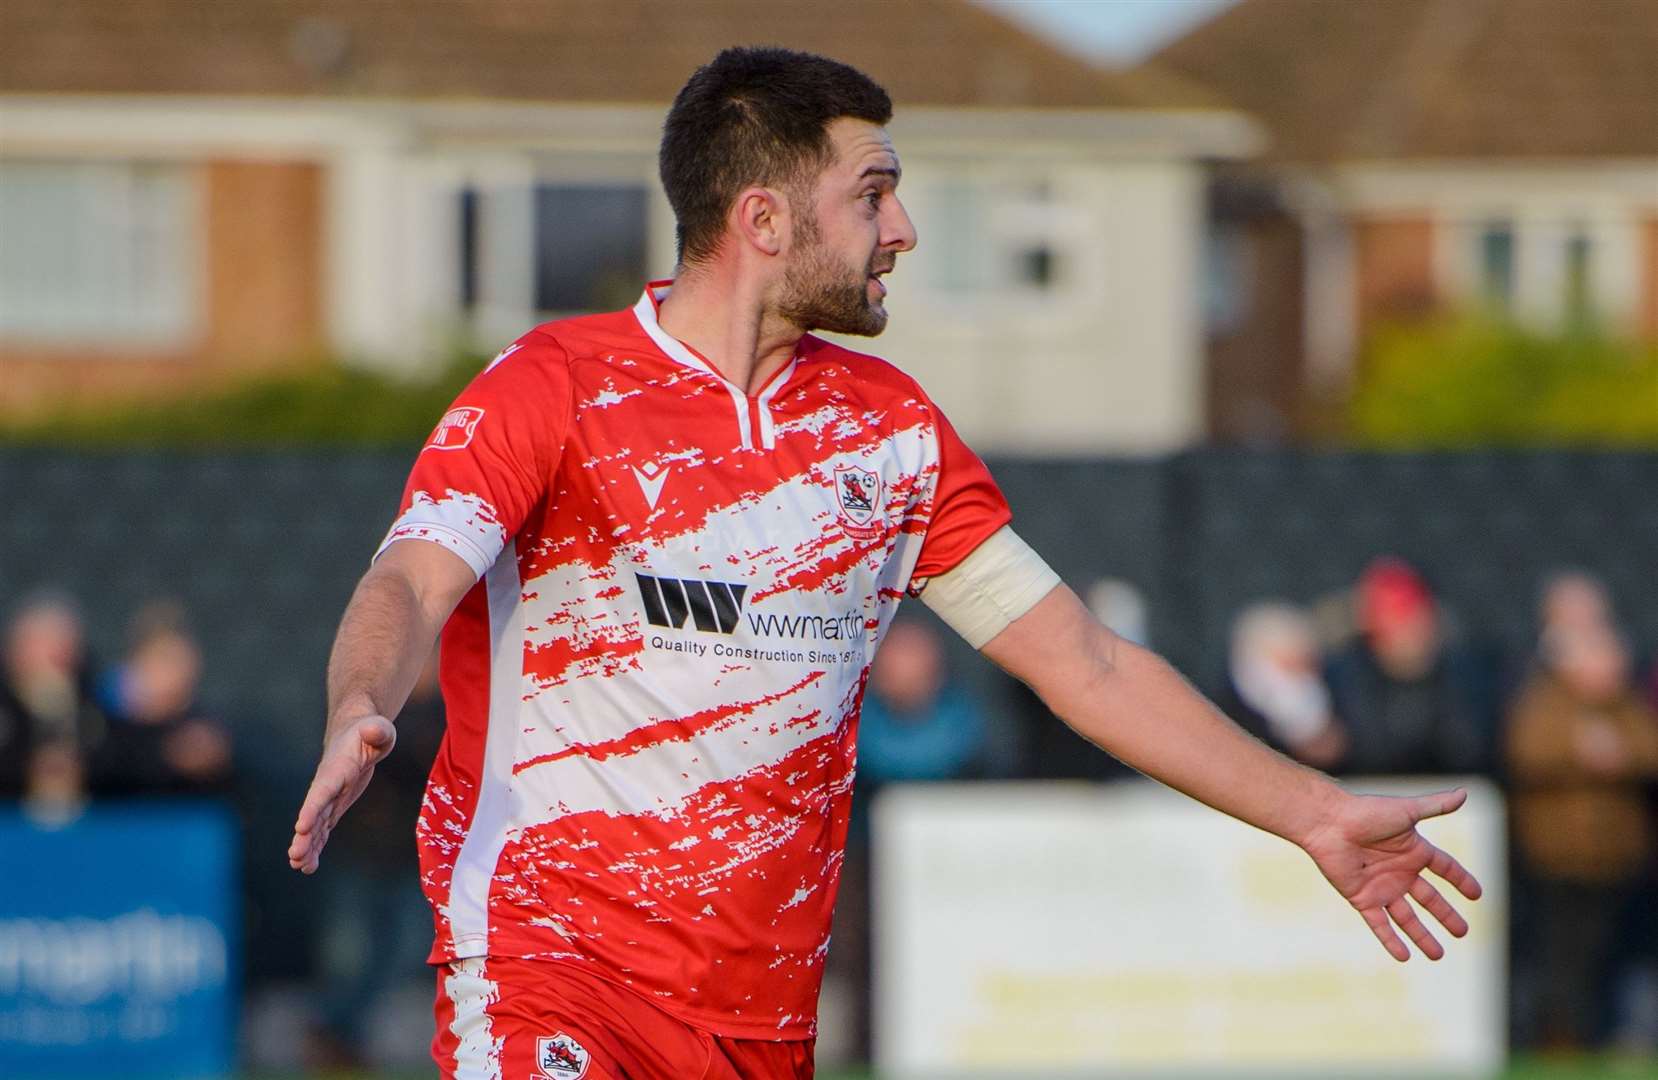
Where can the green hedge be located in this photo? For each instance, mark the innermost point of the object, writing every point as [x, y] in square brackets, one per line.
[1475, 382]
[330, 405]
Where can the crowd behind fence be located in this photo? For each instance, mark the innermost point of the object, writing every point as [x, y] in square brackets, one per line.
[168, 617]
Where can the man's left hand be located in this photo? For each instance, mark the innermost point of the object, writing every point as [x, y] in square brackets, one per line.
[1370, 851]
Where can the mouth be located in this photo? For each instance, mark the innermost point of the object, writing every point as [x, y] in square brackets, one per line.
[875, 279]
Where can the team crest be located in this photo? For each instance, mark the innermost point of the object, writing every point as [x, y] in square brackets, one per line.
[858, 492]
[560, 1057]
[455, 430]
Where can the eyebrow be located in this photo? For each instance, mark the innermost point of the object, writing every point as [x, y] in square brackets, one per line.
[882, 170]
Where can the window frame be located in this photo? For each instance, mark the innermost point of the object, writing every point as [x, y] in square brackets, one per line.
[118, 211]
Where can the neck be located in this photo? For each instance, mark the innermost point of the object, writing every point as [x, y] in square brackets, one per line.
[728, 318]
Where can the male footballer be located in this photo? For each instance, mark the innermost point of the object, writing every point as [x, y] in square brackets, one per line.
[662, 545]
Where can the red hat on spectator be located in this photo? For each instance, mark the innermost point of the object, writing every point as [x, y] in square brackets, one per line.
[1391, 593]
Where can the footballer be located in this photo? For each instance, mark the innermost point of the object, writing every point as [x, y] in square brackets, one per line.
[661, 546]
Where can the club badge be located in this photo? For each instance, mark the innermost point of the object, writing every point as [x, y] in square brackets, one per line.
[560, 1057]
[858, 495]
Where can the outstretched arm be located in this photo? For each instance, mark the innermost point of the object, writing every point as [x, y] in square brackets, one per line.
[1131, 703]
[385, 636]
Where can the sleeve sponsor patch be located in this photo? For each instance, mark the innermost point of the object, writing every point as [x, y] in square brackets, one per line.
[455, 430]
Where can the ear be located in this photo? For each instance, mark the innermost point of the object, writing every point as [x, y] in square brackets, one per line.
[758, 216]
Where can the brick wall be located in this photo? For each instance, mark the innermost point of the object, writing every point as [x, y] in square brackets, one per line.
[261, 276]
[1394, 258]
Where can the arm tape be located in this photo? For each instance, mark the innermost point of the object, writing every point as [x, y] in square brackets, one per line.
[999, 581]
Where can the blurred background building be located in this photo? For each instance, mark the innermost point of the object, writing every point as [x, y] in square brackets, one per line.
[1312, 349]
[192, 186]
[1422, 155]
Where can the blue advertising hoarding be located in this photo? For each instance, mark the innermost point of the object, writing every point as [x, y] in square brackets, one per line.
[118, 943]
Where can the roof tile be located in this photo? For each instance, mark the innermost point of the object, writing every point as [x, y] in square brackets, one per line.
[926, 52]
[1392, 79]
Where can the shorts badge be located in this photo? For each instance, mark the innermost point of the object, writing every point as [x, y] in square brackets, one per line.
[560, 1057]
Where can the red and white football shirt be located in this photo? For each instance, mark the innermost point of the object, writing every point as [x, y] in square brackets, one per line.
[653, 690]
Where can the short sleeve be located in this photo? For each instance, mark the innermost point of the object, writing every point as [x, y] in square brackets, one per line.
[490, 458]
[967, 506]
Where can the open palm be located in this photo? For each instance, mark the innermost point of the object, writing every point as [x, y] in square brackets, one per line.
[1373, 855]
[346, 767]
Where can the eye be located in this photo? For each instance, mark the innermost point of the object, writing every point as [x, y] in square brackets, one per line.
[873, 198]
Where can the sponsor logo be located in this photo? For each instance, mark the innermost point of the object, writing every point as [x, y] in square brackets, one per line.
[712, 606]
[858, 495]
[455, 430]
[848, 626]
[561, 1057]
[651, 477]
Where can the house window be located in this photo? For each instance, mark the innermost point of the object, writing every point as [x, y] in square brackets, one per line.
[1579, 301]
[468, 222]
[1226, 278]
[95, 252]
[1496, 265]
[590, 243]
[989, 237]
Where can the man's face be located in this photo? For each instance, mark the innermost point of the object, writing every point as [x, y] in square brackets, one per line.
[848, 230]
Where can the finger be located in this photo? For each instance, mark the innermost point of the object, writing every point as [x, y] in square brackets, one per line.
[1437, 906]
[1448, 869]
[312, 825]
[1438, 803]
[312, 855]
[1405, 916]
[334, 777]
[322, 792]
[303, 846]
[1377, 921]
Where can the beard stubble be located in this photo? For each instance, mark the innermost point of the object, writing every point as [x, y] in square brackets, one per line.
[820, 293]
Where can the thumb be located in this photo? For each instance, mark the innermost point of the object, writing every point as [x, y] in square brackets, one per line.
[1438, 803]
[378, 733]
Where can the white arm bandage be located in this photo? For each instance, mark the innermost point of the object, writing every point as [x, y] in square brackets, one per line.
[998, 582]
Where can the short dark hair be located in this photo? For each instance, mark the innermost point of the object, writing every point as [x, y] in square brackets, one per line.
[754, 116]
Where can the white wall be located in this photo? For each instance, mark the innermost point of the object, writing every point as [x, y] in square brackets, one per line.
[1108, 357]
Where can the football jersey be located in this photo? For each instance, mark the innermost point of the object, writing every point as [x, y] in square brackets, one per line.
[653, 689]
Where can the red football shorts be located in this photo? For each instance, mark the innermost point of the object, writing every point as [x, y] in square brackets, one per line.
[506, 1019]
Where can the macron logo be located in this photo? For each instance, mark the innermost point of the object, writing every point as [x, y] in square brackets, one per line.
[651, 477]
[712, 606]
[503, 354]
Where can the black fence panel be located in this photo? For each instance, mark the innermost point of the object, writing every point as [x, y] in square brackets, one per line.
[263, 548]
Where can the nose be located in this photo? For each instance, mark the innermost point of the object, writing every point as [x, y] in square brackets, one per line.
[897, 230]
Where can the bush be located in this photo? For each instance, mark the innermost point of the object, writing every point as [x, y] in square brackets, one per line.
[1469, 382]
[328, 405]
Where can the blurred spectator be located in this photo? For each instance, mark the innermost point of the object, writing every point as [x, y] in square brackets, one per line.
[1575, 600]
[54, 785]
[376, 927]
[160, 740]
[1275, 684]
[46, 704]
[1579, 744]
[1408, 702]
[1122, 608]
[916, 725]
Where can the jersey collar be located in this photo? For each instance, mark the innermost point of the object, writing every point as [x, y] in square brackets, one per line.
[645, 311]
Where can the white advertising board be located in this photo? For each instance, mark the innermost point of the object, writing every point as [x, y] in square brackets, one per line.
[1053, 930]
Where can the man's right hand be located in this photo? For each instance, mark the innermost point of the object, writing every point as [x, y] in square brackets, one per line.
[347, 766]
